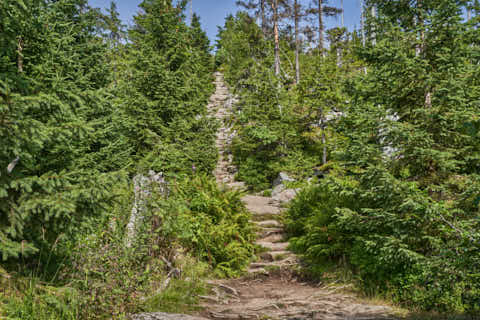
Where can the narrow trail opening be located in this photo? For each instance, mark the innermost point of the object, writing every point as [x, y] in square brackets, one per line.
[271, 289]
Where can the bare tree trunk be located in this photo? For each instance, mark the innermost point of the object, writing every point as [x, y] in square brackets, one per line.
[20, 55]
[277, 36]
[339, 48]
[343, 15]
[264, 19]
[320, 27]
[324, 137]
[297, 42]
[191, 12]
[362, 27]
[420, 48]
[469, 12]
[374, 34]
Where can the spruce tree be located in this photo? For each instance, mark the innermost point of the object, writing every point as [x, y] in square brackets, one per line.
[50, 103]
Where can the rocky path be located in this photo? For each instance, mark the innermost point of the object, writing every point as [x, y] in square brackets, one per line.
[220, 106]
[270, 290]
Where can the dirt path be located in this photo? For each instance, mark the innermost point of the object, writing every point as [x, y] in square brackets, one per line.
[271, 289]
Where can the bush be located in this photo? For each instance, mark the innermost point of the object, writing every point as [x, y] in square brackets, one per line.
[394, 236]
[211, 223]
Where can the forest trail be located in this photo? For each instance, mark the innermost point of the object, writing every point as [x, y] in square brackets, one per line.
[271, 289]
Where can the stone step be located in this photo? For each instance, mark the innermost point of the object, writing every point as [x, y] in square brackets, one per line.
[278, 246]
[265, 232]
[274, 238]
[282, 263]
[269, 224]
[260, 205]
[275, 255]
[257, 271]
[237, 185]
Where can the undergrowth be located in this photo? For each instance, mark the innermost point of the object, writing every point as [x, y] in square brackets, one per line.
[197, 231]
[341, 224]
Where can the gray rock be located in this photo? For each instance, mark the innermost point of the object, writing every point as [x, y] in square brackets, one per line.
[163, 316]
[285, 195]
[143, 188]
[277, 190]
[282, 177]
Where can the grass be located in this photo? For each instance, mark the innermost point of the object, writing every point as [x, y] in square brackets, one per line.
[28, 299]
[182, 294]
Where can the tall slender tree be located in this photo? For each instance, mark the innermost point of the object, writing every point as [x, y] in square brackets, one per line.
[259, 7]
[295, 11]
[296, 17]
[276, 35]
[320, 9]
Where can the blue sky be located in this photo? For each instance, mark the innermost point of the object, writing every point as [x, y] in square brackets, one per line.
[213, 12]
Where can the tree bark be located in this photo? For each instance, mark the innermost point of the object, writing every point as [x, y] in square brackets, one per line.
[320, 27]
[264, 19]
[339, 48]
[276, 36]
[20, 55]
[343, 15]
[362, 22]
[323, 125]
[297, 41]
[374, 34]
[420, 48]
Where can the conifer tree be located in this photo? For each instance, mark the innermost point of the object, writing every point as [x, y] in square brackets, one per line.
[405, 215]
[51, 102]
[260, 10]
[167, 94]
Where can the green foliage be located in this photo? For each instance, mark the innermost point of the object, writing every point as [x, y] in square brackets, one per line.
[212, 224]
[198, 229]
[164, 96]
[51, 102]
[181, 295]
[81, 111]
[280, 125]
[401, 206]
[40, 302]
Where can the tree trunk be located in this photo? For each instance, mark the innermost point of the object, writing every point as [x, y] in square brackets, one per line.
[420, 48]
[277, 36]
[469, 12]
[297, 42]
[339, 48]
[323, 125]
[320, 27]
[374, 34]
[362, 22]
[362, 27]
[343, 15]
[20, 55]
[264, 19]
[191, 12]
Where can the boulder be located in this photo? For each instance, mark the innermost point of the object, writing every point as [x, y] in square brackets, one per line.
[163, 316]
[286, 195]
[277, 190]
[282, 178]
[143, 187]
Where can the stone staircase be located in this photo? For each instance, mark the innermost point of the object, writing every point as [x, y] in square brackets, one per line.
[266, 213]
[220, 107]
[270, 290]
